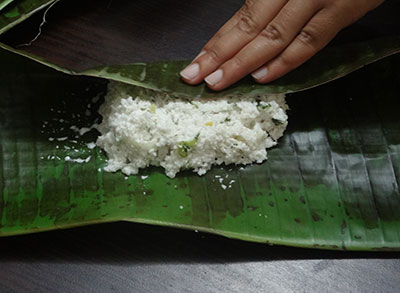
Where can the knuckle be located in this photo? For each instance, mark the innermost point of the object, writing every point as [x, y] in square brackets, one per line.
[272, 32]
[248, 3]
[213, 54]
[307, 37]
[246, 23]
[237, 62]
[313, 34]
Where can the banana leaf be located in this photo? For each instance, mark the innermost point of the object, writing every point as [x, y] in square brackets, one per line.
[17, 11]
[331, 183]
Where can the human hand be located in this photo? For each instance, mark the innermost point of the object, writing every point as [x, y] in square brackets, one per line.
[269, 38]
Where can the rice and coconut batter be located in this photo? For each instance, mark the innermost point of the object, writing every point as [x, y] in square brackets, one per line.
[142, 128]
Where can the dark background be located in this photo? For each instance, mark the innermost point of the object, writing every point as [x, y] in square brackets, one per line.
[126, 257]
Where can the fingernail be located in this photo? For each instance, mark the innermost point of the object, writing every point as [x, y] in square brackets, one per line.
[260, 73]
[200, 54]
[191, 71]
[214, 77]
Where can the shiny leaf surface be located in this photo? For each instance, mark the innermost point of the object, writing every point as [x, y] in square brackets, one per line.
[332, 181]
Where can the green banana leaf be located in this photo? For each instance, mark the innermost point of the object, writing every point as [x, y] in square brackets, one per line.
[14, 12]
[331, 183]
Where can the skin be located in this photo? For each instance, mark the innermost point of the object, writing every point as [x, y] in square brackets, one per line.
[269, 38]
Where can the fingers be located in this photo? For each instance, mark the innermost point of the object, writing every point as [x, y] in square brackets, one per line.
[314, 36]
[269, 38]
[240, 30]
[270, 41]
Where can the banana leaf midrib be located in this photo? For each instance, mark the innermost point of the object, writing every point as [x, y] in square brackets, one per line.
[4, 3]
[6, 23]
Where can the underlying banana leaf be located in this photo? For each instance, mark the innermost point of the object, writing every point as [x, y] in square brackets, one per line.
[332, 182]
[17, 11]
